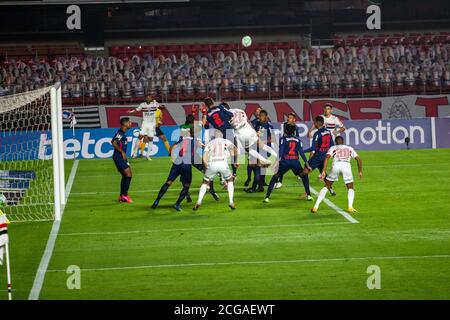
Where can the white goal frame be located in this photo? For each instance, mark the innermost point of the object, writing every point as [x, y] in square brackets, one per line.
[59, 186]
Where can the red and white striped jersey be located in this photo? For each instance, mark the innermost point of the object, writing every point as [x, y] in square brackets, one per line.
[332, 122]
[239, 118]
[342, 152]
[219, 150]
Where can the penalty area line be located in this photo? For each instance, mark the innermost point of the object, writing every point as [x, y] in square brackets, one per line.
[261, 262]
[45, 260]
[335, 207]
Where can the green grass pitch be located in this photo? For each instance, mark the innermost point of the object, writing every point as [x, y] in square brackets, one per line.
[259, 251]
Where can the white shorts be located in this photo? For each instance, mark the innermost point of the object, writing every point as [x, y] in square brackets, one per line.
[246, 136]
[215, 168]
[339, 168]
[148, 129]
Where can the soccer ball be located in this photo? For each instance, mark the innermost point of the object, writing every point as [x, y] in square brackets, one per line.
[247, 41]
[2, 200]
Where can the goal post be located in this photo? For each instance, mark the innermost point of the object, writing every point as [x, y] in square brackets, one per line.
[32, 155]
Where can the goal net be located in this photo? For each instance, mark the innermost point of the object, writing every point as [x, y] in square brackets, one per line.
[31, 157]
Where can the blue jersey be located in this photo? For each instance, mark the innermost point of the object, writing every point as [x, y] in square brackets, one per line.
[121, 138]
[219, 118]
[290, 149]
[265, 129]
[254, 122]
[322, 142]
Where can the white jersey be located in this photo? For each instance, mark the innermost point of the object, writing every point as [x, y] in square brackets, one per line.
[342, 153]
[332, 122]
[239, 118]
[148, 111]
[219, 150]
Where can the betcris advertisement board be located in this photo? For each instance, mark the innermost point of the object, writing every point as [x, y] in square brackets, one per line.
[360, 134]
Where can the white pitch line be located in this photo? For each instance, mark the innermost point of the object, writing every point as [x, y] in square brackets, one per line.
[200, 229]
[45, 260]
[231, 263]
[335, 207]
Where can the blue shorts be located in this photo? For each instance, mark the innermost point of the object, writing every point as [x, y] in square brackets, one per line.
[182, 170]
[287, 165]
[120, 163]
[316, 162]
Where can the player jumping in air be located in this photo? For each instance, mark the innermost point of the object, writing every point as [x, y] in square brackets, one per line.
[119, 141]
[342, 155]
[148, 128]
[182, 155]
[290, 150]
[322, 142]
[215, 158]
[235, 121]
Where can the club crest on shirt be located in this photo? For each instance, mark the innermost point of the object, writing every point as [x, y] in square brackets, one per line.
[399, 110]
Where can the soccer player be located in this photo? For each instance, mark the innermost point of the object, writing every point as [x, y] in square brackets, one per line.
[159, 123]
[218, 117]
[322, 142]
[290, 150]
[264, 129]
[250, 166]
[148, 127]
[182, 156]
[198, 163]
[331, 122]
[342, 154]
[119, 141]
[216, 156]
[247, 137]
[291, 119]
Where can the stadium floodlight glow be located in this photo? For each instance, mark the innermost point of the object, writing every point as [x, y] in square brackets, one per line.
[78, 2]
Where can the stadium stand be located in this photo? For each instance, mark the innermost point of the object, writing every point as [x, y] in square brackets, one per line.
[370, 65]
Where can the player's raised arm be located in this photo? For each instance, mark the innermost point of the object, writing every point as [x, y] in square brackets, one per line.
[137, 109]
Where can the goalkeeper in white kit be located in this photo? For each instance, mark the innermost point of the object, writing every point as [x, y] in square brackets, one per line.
[342, 154]
[216, 157]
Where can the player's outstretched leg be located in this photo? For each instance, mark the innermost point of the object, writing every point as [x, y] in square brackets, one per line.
[136, 147]
[255, 154]
[212, 191]
[268, 149]
[181, 197]
[201, 194]
[350, 198]
[149, 147]
[249, 175]
[231, 194]
[256, 180]
[305, 181]
[322, 195]
[272, 183]
[161, 193]
[125, 185]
